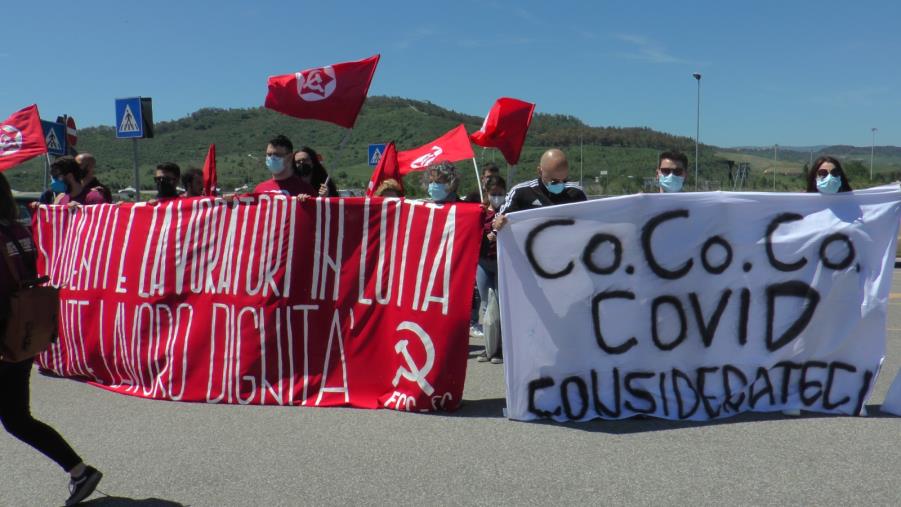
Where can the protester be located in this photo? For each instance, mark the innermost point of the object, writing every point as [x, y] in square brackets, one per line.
[489, 169]
[88, 163]
[826, 176]
[280, 163]
[442, 182]
[310, 169]
[68, 177]
[166, 178]
[671, 171]
[389, 188]
[549, 188]
[192, 182]
[15, 411]
[495, 189]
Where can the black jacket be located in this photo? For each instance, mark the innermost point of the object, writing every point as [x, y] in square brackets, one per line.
[533, 194]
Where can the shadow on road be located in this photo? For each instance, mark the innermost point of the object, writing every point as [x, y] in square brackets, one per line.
[116, 501]
[488, 407]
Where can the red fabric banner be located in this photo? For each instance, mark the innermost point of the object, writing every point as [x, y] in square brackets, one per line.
[265, 300]
[386, 169]
[210, 179]
[334, 93]
[21, 137]
[505, 127]
[451, 147]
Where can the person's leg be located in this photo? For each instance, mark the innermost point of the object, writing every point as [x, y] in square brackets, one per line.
[15, 414]
[482, 282]
[492, 342]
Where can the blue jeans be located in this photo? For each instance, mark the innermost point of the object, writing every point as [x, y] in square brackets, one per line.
[486, 278]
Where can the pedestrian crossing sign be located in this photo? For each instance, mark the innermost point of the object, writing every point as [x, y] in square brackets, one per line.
[375, 154]
[129, 118]
[54, 137]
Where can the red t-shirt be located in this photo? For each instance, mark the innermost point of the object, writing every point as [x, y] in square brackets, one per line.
[289, 186]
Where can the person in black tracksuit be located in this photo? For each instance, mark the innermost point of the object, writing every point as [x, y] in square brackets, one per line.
[551, 187]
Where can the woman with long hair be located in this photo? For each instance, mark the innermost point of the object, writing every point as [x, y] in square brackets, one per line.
[15, 378]
[826, 176]
[308, 165]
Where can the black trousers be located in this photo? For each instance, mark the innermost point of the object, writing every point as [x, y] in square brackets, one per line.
[15, 413]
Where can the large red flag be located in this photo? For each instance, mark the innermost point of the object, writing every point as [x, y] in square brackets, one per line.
[386, 169]
[334, 93]
[450, 147]
[21, 137]
[210, 181]
[505, 127]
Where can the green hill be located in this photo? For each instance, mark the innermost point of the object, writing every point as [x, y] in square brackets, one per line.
[628, 155]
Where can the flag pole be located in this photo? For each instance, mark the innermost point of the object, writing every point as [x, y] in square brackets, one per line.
[47, 171]
[475, 166]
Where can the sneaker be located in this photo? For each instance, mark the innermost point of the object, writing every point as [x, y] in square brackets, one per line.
[482, 358]
[82, 486]
[496, 360]
[476, 332]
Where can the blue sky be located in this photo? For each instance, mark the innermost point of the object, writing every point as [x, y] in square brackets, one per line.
[791, 73]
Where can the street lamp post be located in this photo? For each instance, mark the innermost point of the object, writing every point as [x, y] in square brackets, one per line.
[697, 77]
[775, 158]
[872, 152]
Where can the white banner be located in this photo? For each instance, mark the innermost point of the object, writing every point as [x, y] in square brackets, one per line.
[697, 305]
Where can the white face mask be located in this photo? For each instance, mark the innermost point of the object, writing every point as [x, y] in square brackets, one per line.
[496, 201]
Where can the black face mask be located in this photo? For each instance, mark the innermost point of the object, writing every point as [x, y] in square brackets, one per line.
[165, 188]
[304, 169]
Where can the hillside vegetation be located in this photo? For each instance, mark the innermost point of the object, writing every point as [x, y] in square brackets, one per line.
[628, 155]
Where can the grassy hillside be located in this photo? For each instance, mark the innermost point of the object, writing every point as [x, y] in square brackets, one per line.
[628, 155]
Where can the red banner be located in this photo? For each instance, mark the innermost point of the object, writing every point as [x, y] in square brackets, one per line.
[267, 300]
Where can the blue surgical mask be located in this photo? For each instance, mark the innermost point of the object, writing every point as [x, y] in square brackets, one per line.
[437, 191]
[556, 188]
[58, 186]
[829, 185]
[671, 182]
[275, 164]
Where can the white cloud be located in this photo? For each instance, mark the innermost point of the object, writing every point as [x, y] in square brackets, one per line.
[645, 49]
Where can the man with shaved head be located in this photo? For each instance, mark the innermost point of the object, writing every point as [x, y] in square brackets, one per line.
[87, 162]
[551, 187]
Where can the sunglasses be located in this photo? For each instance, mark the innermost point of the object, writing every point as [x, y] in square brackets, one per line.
[161, 179]
[822, 173]
[668, 171]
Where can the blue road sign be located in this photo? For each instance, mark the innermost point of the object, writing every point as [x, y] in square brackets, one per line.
[375, 153]
[54, 137]
[129, 121]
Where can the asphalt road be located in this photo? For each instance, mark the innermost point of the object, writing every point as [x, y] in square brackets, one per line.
[168, 454]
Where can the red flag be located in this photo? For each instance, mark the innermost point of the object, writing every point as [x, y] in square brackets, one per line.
[505, 127]
[21, 137]
[209, 172]
[450, 147]
[387, 168]
[334, 93]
